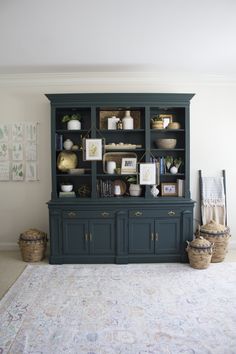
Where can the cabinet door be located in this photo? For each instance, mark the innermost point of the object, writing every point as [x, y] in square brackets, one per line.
[141, 236]
[75, 237]
[102, 236]
[167, 235]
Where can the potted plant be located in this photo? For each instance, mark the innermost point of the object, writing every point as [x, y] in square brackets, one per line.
[135, 189]
[168, 161]
[157, 122]
[73, 121]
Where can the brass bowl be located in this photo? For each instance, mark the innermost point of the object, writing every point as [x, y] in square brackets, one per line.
[66, 160]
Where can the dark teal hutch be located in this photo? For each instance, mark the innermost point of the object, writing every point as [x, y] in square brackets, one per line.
[103, 228]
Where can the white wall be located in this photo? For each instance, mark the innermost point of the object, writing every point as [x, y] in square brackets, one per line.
[213, 127]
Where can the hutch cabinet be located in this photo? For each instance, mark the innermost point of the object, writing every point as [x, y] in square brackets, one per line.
[93, 223]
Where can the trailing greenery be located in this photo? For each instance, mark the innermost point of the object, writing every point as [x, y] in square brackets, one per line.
[157, 119]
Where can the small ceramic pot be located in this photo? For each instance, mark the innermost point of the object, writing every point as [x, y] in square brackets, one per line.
[173, 170]
[74, 124]
[66, 187]
[135, 190]
[68, 144]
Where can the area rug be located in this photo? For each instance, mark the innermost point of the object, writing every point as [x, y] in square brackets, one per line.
[130, 309]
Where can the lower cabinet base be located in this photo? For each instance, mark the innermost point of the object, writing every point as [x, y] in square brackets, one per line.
[120, 235]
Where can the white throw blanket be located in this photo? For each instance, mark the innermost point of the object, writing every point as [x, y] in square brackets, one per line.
[213, 200]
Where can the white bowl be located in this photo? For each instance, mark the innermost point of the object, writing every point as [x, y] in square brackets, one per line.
[66, 187]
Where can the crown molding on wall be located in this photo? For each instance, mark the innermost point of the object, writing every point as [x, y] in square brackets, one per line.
[142, 79]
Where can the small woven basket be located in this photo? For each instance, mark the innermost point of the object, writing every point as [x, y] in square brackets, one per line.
[199, 253]
[33, 245]
[219, 235]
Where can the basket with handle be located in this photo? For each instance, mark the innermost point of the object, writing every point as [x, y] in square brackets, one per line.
[199, 253]
[33, 245]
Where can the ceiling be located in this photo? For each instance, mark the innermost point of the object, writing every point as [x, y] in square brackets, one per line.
[166, 36]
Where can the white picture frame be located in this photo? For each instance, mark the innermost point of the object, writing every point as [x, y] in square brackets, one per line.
[93, 149]
[128, 165]
[147, 173]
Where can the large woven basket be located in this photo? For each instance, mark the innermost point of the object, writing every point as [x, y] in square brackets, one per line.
[33, 245]
[199, 253]
[219, 235]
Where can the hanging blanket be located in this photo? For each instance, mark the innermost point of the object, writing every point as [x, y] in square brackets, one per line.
[213, 200]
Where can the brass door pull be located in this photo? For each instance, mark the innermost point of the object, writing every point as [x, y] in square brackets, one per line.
[171, 213]
[104, 214]
[71, 214]
[86, 237]
[157, 236]
[90, 236]
[138, 213]
[152, 236]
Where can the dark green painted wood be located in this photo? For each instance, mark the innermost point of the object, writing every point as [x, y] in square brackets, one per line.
[119, 236]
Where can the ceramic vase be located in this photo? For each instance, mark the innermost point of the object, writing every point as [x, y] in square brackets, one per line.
[74, 124]
[128, 121]
[68, 144]
[135, 190]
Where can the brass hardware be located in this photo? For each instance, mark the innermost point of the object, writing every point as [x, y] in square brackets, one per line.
[171, 213]
[157, 236]
[105, 214]
[138, 213]
[86, 237]
[152, 236]
[71, 214]
[90, 236]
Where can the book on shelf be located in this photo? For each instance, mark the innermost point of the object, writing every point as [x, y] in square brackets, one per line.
[67, 194]
[180, 187]
[59, 142]
[105, 188]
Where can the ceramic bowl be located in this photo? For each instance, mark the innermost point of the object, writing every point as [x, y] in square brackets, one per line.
[166, 143]
[66, 187]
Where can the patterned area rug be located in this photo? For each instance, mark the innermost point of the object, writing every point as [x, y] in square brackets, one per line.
[130, 309]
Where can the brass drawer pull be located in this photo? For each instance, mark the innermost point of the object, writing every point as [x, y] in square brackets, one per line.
[104, 214]
[171, 213]
[71, 214]
[138, 213]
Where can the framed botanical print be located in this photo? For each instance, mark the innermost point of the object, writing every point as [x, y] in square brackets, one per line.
[147, 173]
[92, 149]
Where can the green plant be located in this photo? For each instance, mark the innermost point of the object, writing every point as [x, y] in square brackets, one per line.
[157, 119]
[67, 117]
[132, 179]
[169, 161]
[178, 162]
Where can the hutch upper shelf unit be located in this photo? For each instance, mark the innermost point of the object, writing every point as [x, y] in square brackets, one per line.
[102, 219]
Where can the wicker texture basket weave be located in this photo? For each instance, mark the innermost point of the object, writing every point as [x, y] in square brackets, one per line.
[33, 245]
[219, 235]
[199, 253]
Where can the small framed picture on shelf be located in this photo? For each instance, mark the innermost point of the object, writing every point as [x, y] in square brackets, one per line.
[128, 165]
[92, 149]
[147, 173]
[169, 189]
[166, 118]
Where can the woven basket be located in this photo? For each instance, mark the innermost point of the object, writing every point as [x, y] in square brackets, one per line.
[219, 235]
[33, 245]
[199, 253]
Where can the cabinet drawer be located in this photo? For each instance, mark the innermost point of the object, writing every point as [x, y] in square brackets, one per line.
[151, 213]
[103, 214]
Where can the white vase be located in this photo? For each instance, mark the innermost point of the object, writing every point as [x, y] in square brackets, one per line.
[154, 190]
[173, 170]
[68, 144]
[128, 121]
[111, 166]
[74, 124]
[135, 190]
